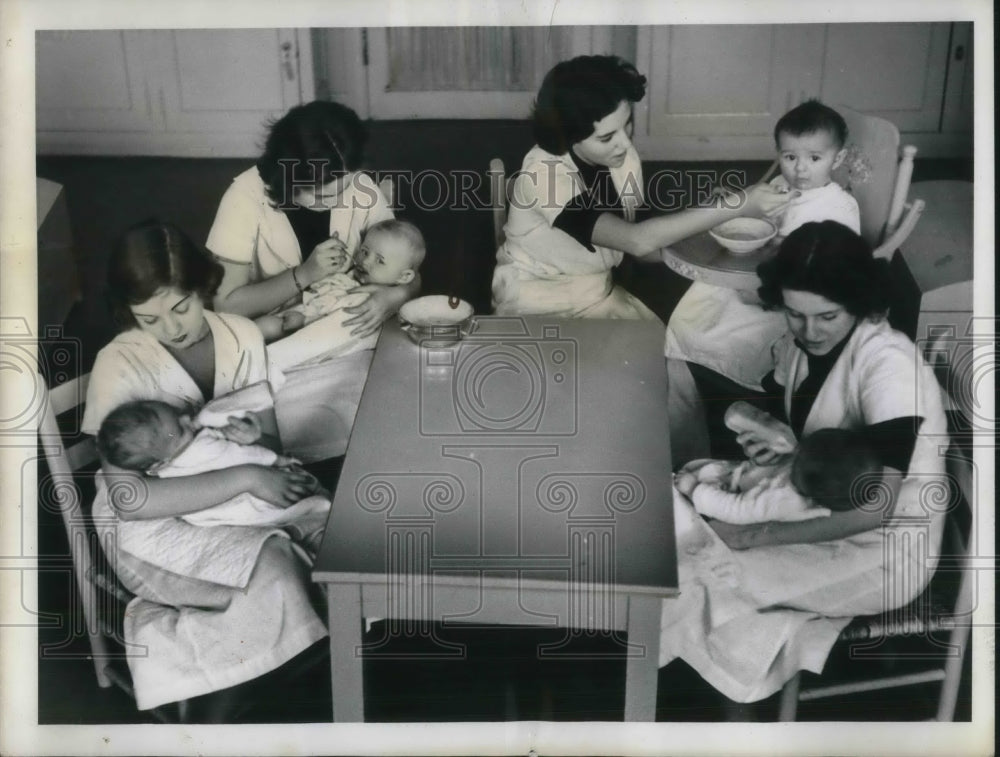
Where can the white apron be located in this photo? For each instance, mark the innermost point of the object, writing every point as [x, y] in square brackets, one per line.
[542, 270]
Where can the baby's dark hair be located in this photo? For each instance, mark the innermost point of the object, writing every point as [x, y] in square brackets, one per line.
[129, 436]
[810, 117]
[833, 465]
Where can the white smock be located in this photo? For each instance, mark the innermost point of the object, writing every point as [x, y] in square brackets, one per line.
[214, 607]
[316, 407]
[748, 620]
[541, 270]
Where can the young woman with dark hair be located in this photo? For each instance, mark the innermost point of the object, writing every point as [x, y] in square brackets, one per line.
[796, 585]
[287, 223]
[572, 215]
[220, 606]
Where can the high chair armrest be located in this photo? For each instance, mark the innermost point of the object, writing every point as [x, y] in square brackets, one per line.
[901, 232]
[904, 173]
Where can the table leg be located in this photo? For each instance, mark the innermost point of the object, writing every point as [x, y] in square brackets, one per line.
[641, 670]
[344, 602]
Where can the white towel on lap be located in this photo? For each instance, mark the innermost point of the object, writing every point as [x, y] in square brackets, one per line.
[317, 404]
[217, 638]
[727, 627]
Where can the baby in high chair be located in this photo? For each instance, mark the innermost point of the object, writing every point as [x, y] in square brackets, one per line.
[828, 471]
[155, 438]
[810, 140]
[727, 331]
[390, 253]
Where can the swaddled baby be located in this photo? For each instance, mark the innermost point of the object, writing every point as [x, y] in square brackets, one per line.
[154, 438]
[828, 472]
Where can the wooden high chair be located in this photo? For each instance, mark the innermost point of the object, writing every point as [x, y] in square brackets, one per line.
[877, 173]
[879, 178]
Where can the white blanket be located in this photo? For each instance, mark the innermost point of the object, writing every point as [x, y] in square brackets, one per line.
[731, 624]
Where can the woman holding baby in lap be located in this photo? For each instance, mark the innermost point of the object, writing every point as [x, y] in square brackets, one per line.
[794, 580]
[284, 228]
[217, 606]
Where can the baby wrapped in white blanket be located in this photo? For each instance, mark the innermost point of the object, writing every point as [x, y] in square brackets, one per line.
[157, 439]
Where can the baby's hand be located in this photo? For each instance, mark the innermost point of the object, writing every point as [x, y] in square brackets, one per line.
[292, 320]
[242, 429]
[341, 259]
[685, 482]
[343, 263]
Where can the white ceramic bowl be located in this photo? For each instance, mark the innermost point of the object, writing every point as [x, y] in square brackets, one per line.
[743, 235]
[431, 321]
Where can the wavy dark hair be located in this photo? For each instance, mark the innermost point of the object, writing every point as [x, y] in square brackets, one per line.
[578, 92]
[832, 261]
[150, 256]
[310, 145]
[810, 117]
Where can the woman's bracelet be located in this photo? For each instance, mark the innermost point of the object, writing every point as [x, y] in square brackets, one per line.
[295, 278]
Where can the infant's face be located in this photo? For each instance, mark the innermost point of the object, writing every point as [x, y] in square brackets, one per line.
[175, 431]
[807, 160]
[382, 259]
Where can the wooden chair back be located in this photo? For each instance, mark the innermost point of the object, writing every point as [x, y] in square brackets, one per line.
[878, 174]
[501, 190]
[67, 453]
